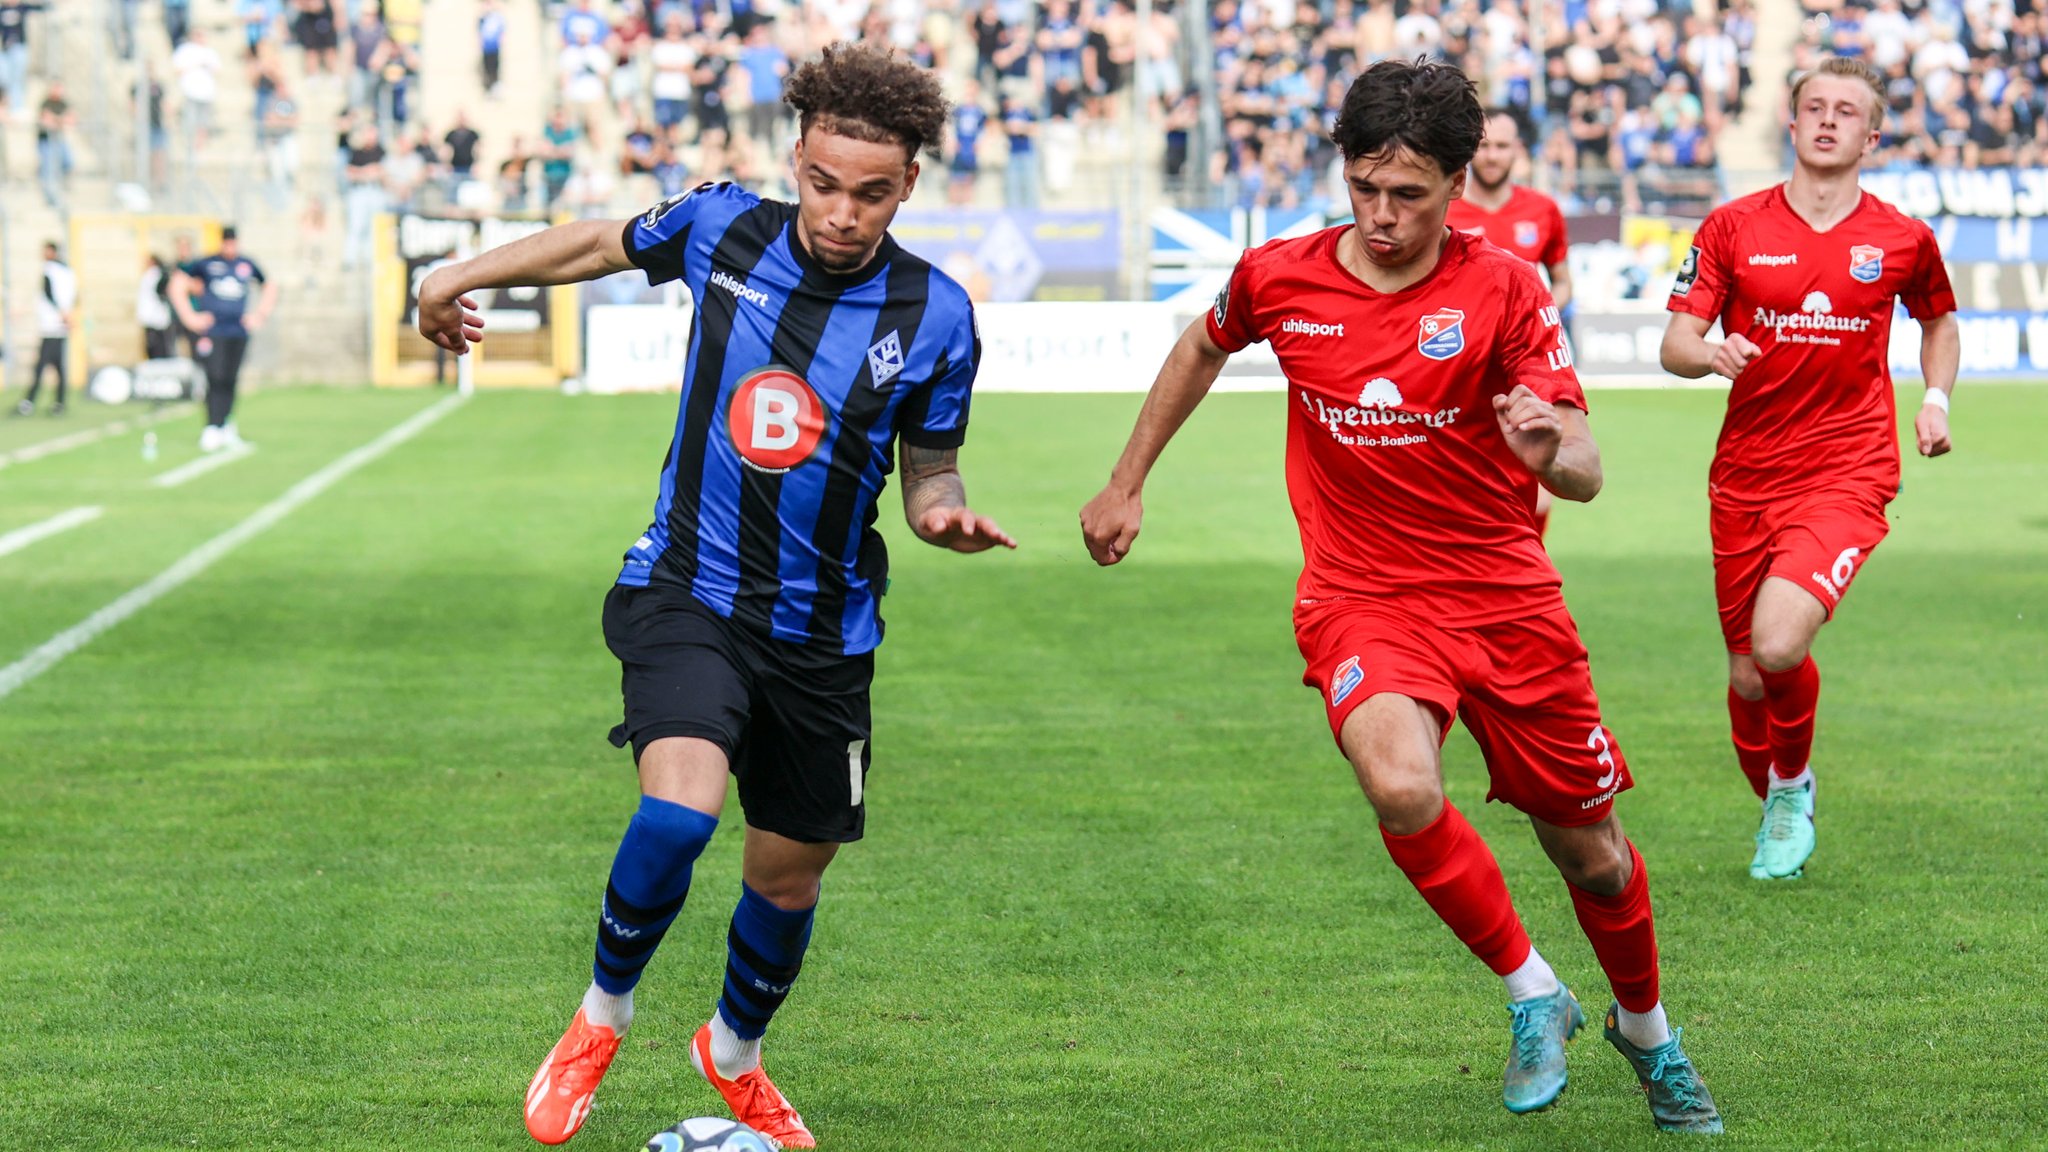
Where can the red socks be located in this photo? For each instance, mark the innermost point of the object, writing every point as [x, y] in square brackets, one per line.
[1624, 936]
[1791, 697]
[1460, 880]
[1751, 722]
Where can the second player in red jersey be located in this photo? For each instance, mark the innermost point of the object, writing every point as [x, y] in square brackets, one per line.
[1513, 216]
[1803, 279]
[1430, 390]
[1519, 219]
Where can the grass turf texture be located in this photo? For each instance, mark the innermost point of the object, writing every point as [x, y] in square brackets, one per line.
[308, 854]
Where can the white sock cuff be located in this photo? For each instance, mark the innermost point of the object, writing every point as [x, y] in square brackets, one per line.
[613, 1012]
[1804, 778]
[730, 1054]
[1645, 1030]
[1534, 978]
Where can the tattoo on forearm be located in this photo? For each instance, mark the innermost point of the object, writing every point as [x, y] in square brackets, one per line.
[931, 479]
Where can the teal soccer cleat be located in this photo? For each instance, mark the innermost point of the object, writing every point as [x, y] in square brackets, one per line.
[1541, 1025]
[1785, 839]
[1679, 1101]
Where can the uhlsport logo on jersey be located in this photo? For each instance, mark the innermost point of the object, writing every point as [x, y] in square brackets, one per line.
[1442, 335]
[1866, 264]
[1525, 233]
[1303, 327]
[885, 359]
[775, 419]
[1345, 681]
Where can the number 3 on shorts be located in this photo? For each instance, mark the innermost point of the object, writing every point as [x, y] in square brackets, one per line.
[1603, 755]
[1843, 572]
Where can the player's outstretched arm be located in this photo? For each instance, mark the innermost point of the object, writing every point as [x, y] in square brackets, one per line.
[1553, 441]
[1941, 353]
[564, 254]
[1110, 522]
[935, 502]
[1687, 352]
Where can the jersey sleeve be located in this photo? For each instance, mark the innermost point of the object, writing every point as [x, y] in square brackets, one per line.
[1533, 347]
[256, 272]
[1702, 285]
[657, 240]
[935, 416]
[1928, 294]
[1558, 250]
[1230, 322]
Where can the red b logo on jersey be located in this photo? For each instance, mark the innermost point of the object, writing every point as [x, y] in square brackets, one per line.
[775, 419]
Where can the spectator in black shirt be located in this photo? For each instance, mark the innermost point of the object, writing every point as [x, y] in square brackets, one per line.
[461, 141]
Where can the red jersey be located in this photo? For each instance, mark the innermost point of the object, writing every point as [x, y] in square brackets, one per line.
[1814, 410]
[1529, 225]
[1401, 482]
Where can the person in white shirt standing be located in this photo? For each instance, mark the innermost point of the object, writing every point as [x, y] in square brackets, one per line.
[198, 68]
[56, 312]
[153, 308]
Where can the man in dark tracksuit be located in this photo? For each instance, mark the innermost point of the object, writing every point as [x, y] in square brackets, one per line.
[211, 298]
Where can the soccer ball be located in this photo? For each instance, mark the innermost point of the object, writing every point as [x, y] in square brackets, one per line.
[710, 1134]
[111, 385]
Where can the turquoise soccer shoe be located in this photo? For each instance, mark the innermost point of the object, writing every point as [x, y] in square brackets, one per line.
[1679, 1100]
[1540, 1026]
[1786, 838]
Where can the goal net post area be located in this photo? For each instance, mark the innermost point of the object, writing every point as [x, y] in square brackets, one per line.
[532, 336]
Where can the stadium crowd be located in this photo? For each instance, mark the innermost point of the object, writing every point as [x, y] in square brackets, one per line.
[1621, 99]
[1964, 79]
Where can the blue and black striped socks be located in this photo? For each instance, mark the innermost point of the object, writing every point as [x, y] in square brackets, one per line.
[650, 877]
[764, 953]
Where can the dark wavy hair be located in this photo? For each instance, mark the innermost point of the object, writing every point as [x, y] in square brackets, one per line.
[1431, 109]
[868, 93]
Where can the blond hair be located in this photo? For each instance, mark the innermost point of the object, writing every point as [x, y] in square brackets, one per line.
[1849, 68]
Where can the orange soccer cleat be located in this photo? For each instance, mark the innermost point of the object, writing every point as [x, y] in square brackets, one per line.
[558, 1100]
[753, 1098]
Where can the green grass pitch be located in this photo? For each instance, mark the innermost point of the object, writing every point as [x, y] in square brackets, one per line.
[307, 854]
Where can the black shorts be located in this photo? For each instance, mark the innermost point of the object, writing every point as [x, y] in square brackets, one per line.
[794, 723]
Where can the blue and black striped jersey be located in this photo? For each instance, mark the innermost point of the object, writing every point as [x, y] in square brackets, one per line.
[798, 381]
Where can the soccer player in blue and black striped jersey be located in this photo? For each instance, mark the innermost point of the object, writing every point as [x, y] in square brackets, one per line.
[746, 616]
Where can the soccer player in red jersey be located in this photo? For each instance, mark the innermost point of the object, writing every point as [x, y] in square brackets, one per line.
[1517, 218]
[1802, 278]
[1429, 392]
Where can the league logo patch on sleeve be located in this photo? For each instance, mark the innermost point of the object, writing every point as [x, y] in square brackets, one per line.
[1687, 273]
[655, 213]
[1442, 335]
[1866, 264]
[1222, 305]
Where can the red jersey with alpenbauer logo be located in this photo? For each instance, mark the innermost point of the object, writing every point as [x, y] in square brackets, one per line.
[1530, 225]
[1814, 410]
[1402, 483]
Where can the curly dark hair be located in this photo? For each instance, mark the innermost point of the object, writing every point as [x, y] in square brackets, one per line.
[869, 93]
[1429, 108]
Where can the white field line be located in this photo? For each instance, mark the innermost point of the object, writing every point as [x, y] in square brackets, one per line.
[90, 435]
[200, 467]
[21, 538]
[203, 557]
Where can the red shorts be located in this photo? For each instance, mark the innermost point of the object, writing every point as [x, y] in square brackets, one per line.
[1522, 688]
[1818, 542]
